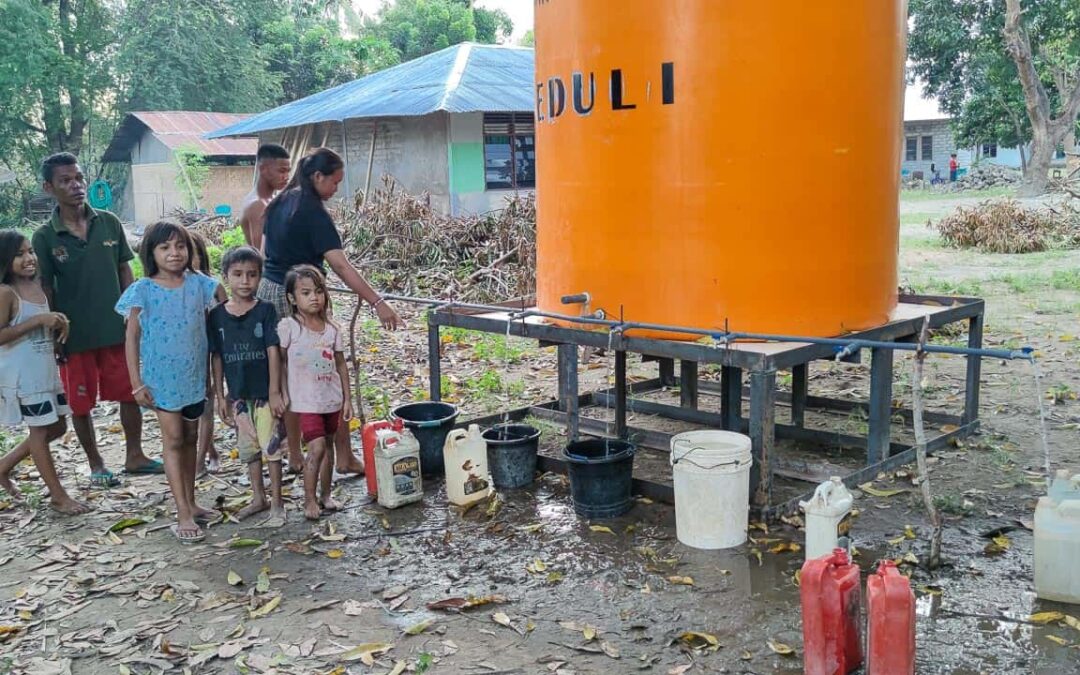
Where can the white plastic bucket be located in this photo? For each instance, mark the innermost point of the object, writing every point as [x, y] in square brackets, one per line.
[711, 472]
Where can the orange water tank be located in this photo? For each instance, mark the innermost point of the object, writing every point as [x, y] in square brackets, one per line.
[703, 162]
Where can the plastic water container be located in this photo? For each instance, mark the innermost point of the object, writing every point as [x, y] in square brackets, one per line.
[368, 435]
[465, 458]
[1057, 541]
[890, 622]
[397, 468]
[824, 512]
[831, 599]
[711, 472]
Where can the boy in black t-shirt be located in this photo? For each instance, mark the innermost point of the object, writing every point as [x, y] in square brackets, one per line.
[245, 350]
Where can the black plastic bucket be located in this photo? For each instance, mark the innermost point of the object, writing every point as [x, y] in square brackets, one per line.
[430, 422]
[601, 476]
[511, 454]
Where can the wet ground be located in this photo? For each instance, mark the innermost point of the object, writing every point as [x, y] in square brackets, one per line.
[552, 592]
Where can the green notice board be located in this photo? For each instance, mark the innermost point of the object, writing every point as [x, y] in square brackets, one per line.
[466, 167]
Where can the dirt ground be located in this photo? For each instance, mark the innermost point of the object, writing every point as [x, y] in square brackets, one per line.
[554, 593]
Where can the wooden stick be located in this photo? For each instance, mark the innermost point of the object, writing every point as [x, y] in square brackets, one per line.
[920, 448]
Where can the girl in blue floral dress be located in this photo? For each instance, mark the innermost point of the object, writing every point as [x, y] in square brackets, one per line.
[167, 354]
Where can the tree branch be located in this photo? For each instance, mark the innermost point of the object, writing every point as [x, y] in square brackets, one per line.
[1035, 97]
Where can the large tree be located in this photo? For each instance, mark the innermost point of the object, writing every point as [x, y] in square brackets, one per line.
[418, 27]
[56, 58]
[1007, 72]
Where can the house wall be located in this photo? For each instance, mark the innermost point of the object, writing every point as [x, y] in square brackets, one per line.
[440, 154]
[411, 149]
[155, 192]
[466, 158]
[943, 146]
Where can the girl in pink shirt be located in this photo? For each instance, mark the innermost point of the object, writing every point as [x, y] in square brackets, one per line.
[317, 379]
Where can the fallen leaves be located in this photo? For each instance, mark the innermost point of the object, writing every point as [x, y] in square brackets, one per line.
[780, 648]
[467, 603]
[681, 581]
[418, 628]
[998, 545]
[1043, 618]
[244, 543]
[365, 653]
[352, 608]
[234, 579]
[785, 547]
[869, 489]
[536, 566]
[701, 642]
[335, 553]
[266, 608]
[601, 528]
[126, 523]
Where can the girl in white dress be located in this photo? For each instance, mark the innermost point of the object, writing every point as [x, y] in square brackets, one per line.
[30, 389]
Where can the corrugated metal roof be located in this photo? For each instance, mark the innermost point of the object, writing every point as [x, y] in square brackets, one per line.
[464, 78]
[178, 129]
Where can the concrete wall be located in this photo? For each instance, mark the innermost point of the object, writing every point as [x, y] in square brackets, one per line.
[440, 154]
[411, 149]
[943, 146]
[149, 150]
[155, 192]
[469, 192]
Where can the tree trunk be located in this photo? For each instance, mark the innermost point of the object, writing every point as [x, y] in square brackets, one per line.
[1047, 129]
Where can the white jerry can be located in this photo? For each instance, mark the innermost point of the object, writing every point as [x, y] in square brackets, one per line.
[397, 468]
[465, 458]
[824, 512]
[1057, 541]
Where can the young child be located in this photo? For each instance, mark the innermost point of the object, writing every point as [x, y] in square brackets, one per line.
[316, 379]
[245, 354]
[167, 355]
[30, 389]
[207, 458]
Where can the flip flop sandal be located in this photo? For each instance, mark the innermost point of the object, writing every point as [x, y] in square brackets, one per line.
[204, 519]
[104, 479]
[152, 468]
[190, 539]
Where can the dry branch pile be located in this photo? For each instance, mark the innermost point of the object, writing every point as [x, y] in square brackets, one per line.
[210, 226]
[400, 242]
[1006, 226]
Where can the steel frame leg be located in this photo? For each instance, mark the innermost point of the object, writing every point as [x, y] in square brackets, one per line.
[731, 397]
[688, 384]
[800, 389]
[434, 363]
[620, 395]
[568, 388]
[881, 389]
[974, 372]
[667, 372]
[762, 434]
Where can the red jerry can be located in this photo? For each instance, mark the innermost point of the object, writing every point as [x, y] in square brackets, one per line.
[368, 435]
[890, 619]
[831, 603]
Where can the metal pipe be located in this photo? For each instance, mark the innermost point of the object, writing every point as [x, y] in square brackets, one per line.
[844, 346]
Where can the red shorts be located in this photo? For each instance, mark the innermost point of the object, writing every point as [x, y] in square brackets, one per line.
[98, 373]
[314, 426]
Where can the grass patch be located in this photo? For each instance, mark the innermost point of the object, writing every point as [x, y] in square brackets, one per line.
[919, 243]
[934, 196]
[962, 287]
[1022, 283]
[916, 218]
[1065, 280]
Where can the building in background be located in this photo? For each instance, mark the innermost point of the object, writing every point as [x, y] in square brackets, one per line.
[456, 124]
[150, 142]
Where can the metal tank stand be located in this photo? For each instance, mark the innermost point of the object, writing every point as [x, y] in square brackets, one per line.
[748, 375]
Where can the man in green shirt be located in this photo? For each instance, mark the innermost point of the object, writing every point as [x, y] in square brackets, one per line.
[83, 256]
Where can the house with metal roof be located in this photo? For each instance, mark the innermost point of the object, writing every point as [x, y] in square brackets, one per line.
[157, 184]
[457, 124]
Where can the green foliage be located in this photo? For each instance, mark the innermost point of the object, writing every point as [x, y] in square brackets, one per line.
[137, 268]
[959, 50]
[233, 238]
[194, 174]
[529, 39]
[414, 28]
[1065, 280]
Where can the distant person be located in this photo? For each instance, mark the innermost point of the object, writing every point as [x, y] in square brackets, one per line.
[273, 167]
[954, 167]
[83, 256]
[935, 175]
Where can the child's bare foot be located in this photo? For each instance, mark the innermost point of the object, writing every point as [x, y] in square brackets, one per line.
[277, 517]
[256, 506]
[198, 513]
[213, 462]
[354, 465]
[9, 487]
[330, 504]
[312, 510]
[70, 507]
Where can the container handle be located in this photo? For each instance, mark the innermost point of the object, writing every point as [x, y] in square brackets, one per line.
[429, 424]
[686, 457]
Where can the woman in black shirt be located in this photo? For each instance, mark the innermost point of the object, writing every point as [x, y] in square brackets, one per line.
[298, 230]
